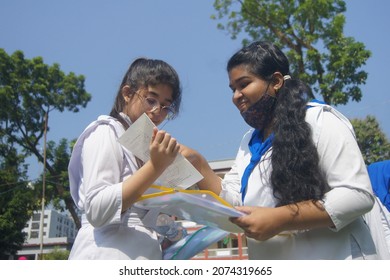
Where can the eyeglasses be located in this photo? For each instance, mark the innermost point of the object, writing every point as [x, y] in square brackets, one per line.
[151, 104]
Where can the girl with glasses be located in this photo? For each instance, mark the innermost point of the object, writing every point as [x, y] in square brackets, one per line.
[106, 179]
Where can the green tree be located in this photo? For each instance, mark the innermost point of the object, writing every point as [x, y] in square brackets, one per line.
[57, 176]
[311, 34]
[372, 141]
[17, 200]
[57, 254]
[29, 91]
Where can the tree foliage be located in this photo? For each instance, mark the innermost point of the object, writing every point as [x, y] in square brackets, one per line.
[57, 254]
[29, 91]
[17, 200]
[57, 175]
[311, 34]
[372, 141]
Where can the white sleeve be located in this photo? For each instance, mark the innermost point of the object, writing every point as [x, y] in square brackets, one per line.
[102, 160]
[350, 194]
[231, 185]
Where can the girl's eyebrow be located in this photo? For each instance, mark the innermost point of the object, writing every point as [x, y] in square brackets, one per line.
[238, 80]
[156, 95]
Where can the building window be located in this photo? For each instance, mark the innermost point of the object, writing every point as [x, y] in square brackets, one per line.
[36, 217]
[35, 226]
[34, 234]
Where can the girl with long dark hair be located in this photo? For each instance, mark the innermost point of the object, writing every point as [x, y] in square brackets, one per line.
[299, 175]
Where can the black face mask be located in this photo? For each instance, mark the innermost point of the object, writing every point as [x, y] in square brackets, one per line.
[260, 114]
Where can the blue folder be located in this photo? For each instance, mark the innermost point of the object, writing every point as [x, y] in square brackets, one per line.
[194, 243]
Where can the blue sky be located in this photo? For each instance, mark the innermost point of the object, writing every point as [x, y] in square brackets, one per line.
[99, 39]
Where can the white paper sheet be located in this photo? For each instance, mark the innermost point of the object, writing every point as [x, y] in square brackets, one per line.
[180, 174]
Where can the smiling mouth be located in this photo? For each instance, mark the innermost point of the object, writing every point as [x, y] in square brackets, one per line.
[242, 106]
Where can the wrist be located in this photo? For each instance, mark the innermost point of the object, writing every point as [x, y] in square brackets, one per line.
[285, 217]
[157, 166]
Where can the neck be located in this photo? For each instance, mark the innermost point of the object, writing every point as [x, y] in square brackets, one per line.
[267, 131]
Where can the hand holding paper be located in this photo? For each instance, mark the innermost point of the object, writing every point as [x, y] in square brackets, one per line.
[180, 174]
[163, 149]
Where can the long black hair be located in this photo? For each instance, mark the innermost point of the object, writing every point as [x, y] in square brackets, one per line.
[142, 73]
[296, 175]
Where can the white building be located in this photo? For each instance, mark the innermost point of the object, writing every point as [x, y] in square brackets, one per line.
[55, 224]
[59, 231]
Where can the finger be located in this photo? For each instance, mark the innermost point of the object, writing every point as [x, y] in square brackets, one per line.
[159, 137]
[240, 222]
[245, 209]
[177, 148]
[173, 146]
[155, 130]
[166, 139]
